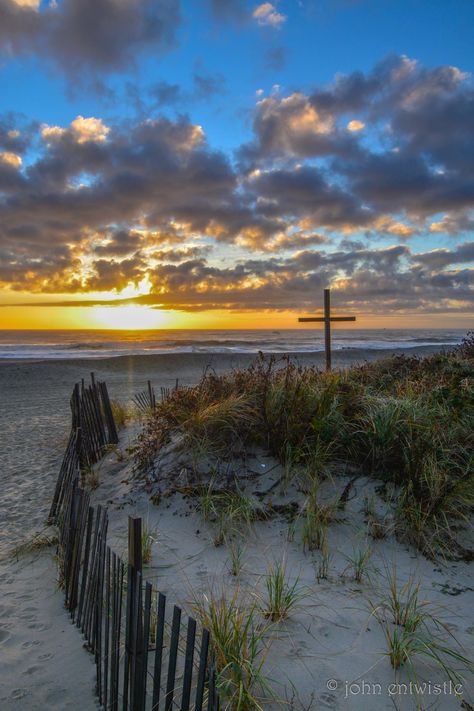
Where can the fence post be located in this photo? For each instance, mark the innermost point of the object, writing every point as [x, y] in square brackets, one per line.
[135, 621]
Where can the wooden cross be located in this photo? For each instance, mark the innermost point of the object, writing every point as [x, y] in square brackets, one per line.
[327, 318]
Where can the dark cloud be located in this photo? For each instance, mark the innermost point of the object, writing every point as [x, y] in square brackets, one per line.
[439, 258]
[166, 94]
[306, 193]
[205, 87]
[229, 10]
[79, 35]
[275, 58]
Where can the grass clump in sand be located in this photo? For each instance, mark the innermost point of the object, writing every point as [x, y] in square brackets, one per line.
[239, 647]
[282, 596]
[47, 538]
[413, 632]
[316, 519]
[121, 413]
[359, 563]
[406, 420]
[149, 537]
[228, 510]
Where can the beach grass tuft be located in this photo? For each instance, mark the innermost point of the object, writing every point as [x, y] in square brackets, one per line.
[414, 631]
[240, 647]
[282, 596]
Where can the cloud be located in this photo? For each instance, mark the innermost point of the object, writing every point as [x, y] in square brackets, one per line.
[81, 129]
[10, 159]
[205, 87]
[226, 10]
[355, 125]
[80, 35]
[275, 58]
[267, 15]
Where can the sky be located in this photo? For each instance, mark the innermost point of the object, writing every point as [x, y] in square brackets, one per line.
[218, 163]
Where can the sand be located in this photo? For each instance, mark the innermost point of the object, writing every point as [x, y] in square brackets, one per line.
[43, 662]
[331, 644]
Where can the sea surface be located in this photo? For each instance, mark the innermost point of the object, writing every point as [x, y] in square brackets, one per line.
[47, 345]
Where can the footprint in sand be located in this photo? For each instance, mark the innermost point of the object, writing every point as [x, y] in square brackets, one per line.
[44, 657]
[39, 626]
[31, 670]
[328, 700]
[4, 636]
[31, 643]
[18, 693]
[27, 616]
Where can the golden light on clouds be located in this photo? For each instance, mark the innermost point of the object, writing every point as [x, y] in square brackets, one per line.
[33, 4]
[11, 159]
[355, 125]
[82, 130]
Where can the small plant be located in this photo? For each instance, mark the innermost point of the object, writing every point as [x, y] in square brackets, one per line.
[315, 523]
[228, 510]
[314, 533]
[239, 646]
[236, 555]
[377, 527]
[281, 596]
[413, 630]
[38, 542]
[149, 537]
[359, 564]
[120, 413]
[322, 572]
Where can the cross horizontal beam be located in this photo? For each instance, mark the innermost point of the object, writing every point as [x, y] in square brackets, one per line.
[323, 318]
[327, 319]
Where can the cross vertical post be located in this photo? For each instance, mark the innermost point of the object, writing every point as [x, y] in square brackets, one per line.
[327, 327]
[327, 319]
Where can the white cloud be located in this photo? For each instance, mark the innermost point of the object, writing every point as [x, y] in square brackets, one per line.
[267, 14]
[82, 130]
[89, 129]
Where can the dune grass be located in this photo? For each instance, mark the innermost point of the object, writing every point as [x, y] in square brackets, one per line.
[406, 420]
[413, 630]
[282, 596]
[240, 647]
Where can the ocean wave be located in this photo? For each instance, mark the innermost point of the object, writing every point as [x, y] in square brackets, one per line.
[67, 345]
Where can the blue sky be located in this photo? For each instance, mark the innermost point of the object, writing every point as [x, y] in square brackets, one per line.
[196, 157]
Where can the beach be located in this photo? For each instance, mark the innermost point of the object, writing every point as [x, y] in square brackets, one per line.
[46, 666]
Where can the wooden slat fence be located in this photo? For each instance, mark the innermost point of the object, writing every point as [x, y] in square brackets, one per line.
[148, 656]
[146, 399]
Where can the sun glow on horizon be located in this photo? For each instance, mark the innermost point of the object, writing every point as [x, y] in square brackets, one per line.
[129, 317]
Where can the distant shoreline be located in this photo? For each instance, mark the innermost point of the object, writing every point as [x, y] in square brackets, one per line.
[342, 357]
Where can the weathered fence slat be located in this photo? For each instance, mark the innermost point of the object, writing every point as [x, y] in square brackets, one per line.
[202, 669]
[173, 655]
[188, 664]
[146, 641]
[159, 640]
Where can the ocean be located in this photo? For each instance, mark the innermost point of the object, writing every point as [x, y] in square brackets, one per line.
[48, 345]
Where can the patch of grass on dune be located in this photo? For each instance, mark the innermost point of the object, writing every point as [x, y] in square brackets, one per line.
[406, 420]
